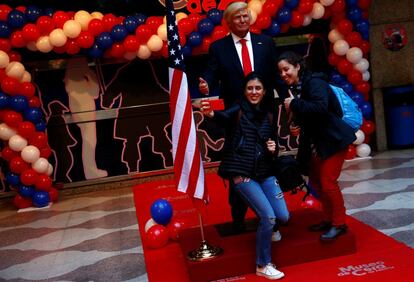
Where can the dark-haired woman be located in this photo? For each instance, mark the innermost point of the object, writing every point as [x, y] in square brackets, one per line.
[246, 162]
[323, 141]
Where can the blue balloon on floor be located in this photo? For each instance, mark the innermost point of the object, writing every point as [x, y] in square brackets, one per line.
[40, 199]
[161, 211]
[26, 191]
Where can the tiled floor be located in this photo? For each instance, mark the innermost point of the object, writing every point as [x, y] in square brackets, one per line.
[94, 237]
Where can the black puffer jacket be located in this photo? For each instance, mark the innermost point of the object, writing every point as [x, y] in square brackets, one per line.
[245, 151]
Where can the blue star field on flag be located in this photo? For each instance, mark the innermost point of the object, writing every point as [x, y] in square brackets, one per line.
[175, 53]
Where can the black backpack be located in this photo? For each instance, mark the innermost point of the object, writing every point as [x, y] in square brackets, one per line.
[288, 174]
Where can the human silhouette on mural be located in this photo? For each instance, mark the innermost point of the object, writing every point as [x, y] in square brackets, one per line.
[82, 88]
[142, 105]
[61, 142]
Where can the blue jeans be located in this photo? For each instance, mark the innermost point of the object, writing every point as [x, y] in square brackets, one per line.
[266, 199]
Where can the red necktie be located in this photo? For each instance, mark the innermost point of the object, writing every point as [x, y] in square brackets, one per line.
[247, 66]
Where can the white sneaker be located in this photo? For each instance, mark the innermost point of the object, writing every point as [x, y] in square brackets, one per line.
[270, 272]
[276, 236]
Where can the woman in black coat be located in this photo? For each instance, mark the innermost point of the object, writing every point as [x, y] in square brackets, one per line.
[324, 138]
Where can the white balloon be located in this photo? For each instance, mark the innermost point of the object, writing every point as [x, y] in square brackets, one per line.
[318, 10]
[362, 65]
[179, 16]
[4, 59]
[253, 16]
[340, 47]
[97, 15]
[354, 55]
[366, 76]
[327, 2]
[360, 137]
[150, 223]
[307, 19]
[162, 32]
[6, 132]
[27, 77]
[30, 154]
[17, 143]
[130, 55]
[49, 170]
[41, 165]
[363, 150]
[255, 5]
[83, 17]
[32, 46]
[334, 35]
[43, 44]
[57, 37]
[72, 28]
[143, 52]
[15, 69]
[155, 43]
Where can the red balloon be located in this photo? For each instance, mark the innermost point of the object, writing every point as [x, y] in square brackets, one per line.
[334, 59]
[164, 50]
[38, 139]
[368, 127]
[4, 12]
[353, 38]
[26, 129]
[14, 56]
[263, 21]
[157, 236]
[305, 7]
[344, 66]
[28, 177]
[364, 88]
[8, 154]
[218, 33]
[354, 76]
[311, 202]
[85, 39]
[5, 45]
[153, 23]
[365, 47]
[351, 153]
[21, 9]
[45, 152]
[345, 27]
[96, 27]
[22, 203]
[71, 47]
[284, 28]
[183, 39]
[17, 40]
[18, 165]
[43, 183]
[143, 33]
[364, 4]
[31, 32]
[205, 45]
[10, 85]
[131, 43]
[338, 6]
[297, 19]
[2, 74]
[12, 118]
[270, 7]
[60, 18]
[27, 89]
[255, 29]
[117, 50]
[327, 14]
[337, 17]
[53, 194]
[174, 228]
[108, 21]
[34, 102]
[45, 25]
[185, 26]
[194, 18]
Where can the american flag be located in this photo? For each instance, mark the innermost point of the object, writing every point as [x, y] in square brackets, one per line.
[188, 168]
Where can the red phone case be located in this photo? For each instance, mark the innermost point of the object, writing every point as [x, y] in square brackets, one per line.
[216, 104]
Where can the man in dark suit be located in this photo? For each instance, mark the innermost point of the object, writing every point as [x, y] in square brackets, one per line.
[226, 70]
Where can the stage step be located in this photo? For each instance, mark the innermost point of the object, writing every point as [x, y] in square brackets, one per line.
[297, 246]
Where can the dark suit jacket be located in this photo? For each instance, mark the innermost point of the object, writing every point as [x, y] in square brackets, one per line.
[224, 68]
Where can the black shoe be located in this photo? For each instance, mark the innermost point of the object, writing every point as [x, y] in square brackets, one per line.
[321, 226]
[334, 232]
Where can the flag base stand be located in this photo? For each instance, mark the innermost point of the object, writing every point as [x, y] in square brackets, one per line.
[204, 252]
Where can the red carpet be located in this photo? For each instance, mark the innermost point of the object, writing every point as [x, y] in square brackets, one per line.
[377, 257]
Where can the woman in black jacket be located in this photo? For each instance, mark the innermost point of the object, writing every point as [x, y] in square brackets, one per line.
[324, 138]
[247, 158]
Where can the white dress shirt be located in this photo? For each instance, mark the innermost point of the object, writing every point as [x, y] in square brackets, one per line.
[238, 45]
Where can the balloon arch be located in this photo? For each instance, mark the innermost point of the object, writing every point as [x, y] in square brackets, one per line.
[22, 125]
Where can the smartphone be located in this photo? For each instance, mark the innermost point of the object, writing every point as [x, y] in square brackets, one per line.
[216, 104]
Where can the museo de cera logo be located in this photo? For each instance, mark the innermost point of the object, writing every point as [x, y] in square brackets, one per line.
[363, 269]
[198, 6]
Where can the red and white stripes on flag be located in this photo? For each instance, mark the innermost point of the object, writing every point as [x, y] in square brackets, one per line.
[188, 168]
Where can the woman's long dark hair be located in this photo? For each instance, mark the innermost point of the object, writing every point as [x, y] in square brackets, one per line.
[293, 59]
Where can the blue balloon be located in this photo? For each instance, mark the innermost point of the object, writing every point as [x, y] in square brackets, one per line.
[95, 52]
[365, 35]
[354, 14]
[16, 19]
[33, 114]
[40, 126]
[141, 18]
[13, 178]
[161, 211]
[362, 26]
[49, 12]
[366, 109]
[26, 191]
[104, 40]
[33, 12]
[291, 4]
[5, 30]
[131, 23]
[284, 15]
[119, 32]
[215, 15]
[274, 28]
[19, 103]
[4, 100]
[205, 26]
[336, 78]
[40, 199]
[357, 97]
[351, 3]
[347, 87]
[187, 50]
[195, 39]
